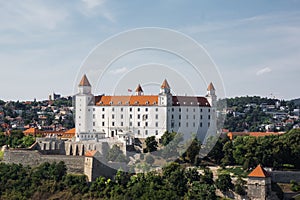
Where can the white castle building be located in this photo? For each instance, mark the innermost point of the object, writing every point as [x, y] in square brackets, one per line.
[141, 116]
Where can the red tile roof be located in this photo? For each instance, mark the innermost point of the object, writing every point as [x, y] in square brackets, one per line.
[84, 81]
[90, 153]
[231, 135]
[190, 101]
[259, 171]
[139, 88]
[149, 100]
[165, 84]
[210, 87]
[142, 100]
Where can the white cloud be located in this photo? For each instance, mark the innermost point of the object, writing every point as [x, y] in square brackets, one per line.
[27, 15]
[97, 7]
[93, 3]
[119, 70]
[263, 71]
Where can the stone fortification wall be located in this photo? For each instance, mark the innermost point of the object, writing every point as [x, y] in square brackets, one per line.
[75, 164]
[285, 176]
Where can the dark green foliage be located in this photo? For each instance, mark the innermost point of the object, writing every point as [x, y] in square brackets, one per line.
[18, 182]
[295, 187]
[192, 151]
[224, 182]
[240, 187]
[116, 154]
[270, 151]
[167, 137]
[151, 144]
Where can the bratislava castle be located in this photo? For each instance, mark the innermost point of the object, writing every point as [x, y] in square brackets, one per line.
[142, 116]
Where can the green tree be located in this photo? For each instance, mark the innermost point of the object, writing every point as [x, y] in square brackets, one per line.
[151, 144]
[224, 182]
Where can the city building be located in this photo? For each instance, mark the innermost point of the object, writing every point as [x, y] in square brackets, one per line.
[141, 115]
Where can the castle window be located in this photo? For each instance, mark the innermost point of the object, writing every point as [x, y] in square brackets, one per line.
[146, 109]
[200, 124]
[172, 109]
[172, 116]
[179, 109]
[201, 116]
[113, 123]
[113, 109]
[194, 116]
[93, 109]
[138, 116]
[156, 132]
[94, 123]
[136, 102]
[187, 110]
[147, 102]
[112, 116]
[179, 124]
[93, 116]
[130, 116]
[121, 123]
[156, 124]
[127, 102]
[139, 124]
[208, 110]
[208, 124]
[194, 124]
[208, 116]
[146, 132]
[201, 110]
[187, 117]
[156, 116]
[122, 116]
[103, 116]
[100, 102]
[130, 123]
[172, 125]
[154, 103]
[103, 123]
[130, 109]
[121, 109]
[139, 132]
[187, 124]
[194, 110]
[179, 116]
[103, 109]
[120, 102]
[146, 123]
[156, 109]
[138, 109]
[110, 102]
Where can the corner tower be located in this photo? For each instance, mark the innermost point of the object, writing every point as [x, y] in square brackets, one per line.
[211, 95]
[84, 101]
[165, 96]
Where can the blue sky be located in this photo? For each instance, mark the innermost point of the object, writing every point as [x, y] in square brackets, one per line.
[255, 44]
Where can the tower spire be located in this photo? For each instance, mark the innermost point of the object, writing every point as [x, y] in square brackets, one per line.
[84, 81]
[139, 91]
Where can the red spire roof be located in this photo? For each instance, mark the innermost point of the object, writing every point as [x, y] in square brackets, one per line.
[139, 89]
[165, 84]
[210, 87]
[259, 171]
[84, 81]
[90, 153]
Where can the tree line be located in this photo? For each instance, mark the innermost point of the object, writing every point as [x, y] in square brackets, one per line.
[279, 152]
[51, 181]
